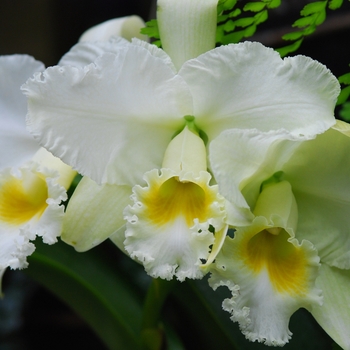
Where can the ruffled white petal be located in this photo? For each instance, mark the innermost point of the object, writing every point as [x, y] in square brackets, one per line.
[334, 315]
[247, 85]
[123, 111]
[16, 144]
[84, 53]
[94, 213]
[127, 27]
[172, 237]
[270, 277]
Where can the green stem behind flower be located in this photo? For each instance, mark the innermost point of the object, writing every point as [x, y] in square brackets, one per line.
[153, 337]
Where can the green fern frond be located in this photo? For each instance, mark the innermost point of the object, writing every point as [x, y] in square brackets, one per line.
[312, 15]
[232, 29]
[152, 31]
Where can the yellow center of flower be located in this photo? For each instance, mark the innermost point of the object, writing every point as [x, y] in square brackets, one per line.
[166, 202]
[284, 262]
[22, 199]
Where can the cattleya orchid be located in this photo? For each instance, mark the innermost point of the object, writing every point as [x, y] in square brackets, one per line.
[128, 100]
[33, 183]
[297, 245]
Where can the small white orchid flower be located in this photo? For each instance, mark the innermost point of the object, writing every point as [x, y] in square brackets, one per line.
[32, 182]
[297, 244]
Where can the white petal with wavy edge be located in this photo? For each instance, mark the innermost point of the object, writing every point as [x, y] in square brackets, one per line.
[333, 315]
[270, 277]
[169, 227]
[17, 145]
[94, 213]
[85, 53]
[247, 85]
[121, 108]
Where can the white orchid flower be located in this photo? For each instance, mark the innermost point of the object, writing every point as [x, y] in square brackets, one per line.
[111, 110]
[33, 183]
[297, 245]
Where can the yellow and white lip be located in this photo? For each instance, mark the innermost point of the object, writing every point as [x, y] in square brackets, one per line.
[171, 225]
[270, 276]
[22, 198]
[30, 206]
[269, 272]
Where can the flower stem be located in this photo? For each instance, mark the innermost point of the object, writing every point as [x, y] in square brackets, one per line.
[153, 337]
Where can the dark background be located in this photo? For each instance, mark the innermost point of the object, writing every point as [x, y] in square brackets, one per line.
[30, 317]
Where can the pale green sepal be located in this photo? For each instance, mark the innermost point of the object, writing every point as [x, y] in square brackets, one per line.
[319, 172]
[127, 27]
[186, 152]
[187, 28]
[342, 127]
[218, 242]
[94, 213]
[118, 238]
[334, 315]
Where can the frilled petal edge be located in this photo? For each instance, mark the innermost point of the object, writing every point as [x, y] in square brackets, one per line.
[170, 225]
[270, 277]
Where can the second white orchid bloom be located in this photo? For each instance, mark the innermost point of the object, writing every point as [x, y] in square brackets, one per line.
[296, 246]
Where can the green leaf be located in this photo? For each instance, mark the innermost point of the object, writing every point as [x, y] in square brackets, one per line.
[274, 4]
[343, 96]
[303, 22]
[261, 17]
[234, 37]
[344, 79]
[345, 112]
[283, 51]
[249, 31]
[235, 13]
[254, 6]
[292, 36]
[244, 22]
[229, 26]
[226, 5]
[309, 30]
[335, 4]
[320, 18]
[94, 288]
[313, 7]
[151, 29]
